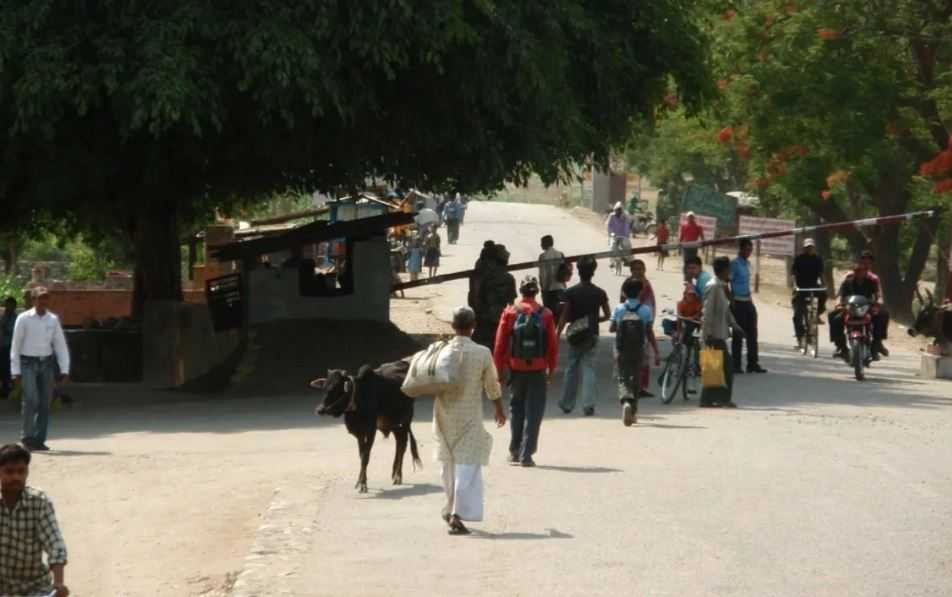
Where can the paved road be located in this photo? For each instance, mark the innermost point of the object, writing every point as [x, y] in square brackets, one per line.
[817, 485]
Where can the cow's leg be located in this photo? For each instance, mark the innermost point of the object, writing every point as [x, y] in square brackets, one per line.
[366, 445]
[401, 436]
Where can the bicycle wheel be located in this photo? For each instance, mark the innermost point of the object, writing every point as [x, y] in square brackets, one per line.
[691, 373]
[814, 333]
[671, 374]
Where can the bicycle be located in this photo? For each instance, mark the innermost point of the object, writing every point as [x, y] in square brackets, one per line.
[682, 368]
[810, 343]
[618, 254]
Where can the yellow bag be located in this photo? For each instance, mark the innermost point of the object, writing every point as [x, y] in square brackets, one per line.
[712, 368]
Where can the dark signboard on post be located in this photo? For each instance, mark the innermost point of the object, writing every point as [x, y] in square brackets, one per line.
[708, 202]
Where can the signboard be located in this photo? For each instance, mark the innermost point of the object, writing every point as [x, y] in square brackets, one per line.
[707, 223]
[782, 246]
[225, 302]
[707, 202]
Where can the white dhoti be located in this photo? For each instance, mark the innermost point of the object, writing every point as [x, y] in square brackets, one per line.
[463, 484]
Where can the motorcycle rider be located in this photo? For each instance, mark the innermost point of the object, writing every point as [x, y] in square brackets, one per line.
[857, 283]
[807, 273]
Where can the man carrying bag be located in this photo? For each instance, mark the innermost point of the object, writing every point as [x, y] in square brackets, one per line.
[716, 327]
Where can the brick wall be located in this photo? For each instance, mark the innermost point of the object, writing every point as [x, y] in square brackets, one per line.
[75, 307]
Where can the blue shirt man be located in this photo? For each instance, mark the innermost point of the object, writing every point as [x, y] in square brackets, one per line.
[740, 277]
[702, 280]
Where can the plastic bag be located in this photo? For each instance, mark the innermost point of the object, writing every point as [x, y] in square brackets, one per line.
[434, 370]
[712, 368]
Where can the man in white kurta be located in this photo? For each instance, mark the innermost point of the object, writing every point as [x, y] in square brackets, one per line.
[462, 443]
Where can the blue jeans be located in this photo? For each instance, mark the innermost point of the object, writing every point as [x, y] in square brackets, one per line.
[581, 364]
[527, 408]
[36, 375]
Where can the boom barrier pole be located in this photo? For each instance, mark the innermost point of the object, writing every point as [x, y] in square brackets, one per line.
[863, 223]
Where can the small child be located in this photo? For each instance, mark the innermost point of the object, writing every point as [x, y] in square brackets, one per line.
[415, 259]
[630, 323]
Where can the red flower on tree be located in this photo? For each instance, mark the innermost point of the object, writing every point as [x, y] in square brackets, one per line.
[729, 14]
[943, 186]
[828, 34]
[725, 135]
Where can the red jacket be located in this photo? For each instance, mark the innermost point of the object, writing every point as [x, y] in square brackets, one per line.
[503, 348]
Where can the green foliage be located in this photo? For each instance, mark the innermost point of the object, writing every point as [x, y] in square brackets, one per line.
[135, 117]
[10, 286]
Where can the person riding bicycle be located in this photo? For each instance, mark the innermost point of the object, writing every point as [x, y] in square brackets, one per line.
[858, 283]
[807, 273]
[619, 230]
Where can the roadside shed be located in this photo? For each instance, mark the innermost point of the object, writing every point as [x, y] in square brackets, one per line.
[319, 270]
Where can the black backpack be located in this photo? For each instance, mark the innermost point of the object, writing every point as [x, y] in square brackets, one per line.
[630, 334]
[528, 336]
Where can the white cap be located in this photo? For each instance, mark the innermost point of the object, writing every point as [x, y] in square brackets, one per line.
[690, 214]
[619, 206]
[809, 243]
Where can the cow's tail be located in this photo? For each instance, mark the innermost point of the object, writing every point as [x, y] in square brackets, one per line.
[414, 452]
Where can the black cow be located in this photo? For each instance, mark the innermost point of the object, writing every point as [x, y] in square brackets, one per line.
[934, 321]
[370, 401]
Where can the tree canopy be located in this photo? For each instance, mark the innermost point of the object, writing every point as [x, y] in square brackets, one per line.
[839, 110]
[137, 117]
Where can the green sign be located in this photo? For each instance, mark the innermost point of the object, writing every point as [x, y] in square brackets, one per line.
[708, 202]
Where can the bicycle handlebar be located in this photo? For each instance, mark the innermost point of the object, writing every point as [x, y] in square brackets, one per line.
[809, 289]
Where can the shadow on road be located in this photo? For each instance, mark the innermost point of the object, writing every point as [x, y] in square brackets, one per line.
[579, 469]
[404, 491]
[549, 534]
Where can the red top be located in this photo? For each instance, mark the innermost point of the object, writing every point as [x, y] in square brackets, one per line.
[690, 232]
[662, 234]
[503, 349]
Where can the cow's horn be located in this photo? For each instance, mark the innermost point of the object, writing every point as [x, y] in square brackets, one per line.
[319, 383]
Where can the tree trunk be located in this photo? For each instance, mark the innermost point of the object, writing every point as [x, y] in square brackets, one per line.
[158, 255]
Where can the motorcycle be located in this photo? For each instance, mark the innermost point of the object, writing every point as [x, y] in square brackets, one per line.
[858, 322]
[643, 223]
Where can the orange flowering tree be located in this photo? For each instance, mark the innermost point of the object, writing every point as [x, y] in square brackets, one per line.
[849, 107]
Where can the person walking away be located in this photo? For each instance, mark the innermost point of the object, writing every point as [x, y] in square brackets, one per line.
[716, 326]
[580, 314]
[451, 215]
[550, 265]
[744, 310]
[639, 272]
[28, 530]
[662, 236]
[463, 445]
[881, 330]
[415, 259]
[496, 292]
[807, 272]
[432, 252]
[479, 271]
[7, 322]
[38, 338]
[689, 232]
[630, 322]
[527, 351]
[858, 283]
[698, 276]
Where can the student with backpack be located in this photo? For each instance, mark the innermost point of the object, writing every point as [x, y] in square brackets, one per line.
[630, 323]
[526, 354]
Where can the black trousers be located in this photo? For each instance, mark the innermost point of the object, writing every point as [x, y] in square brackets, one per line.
[527, 407]
[6, 384]
[552, 300]
[746, 315]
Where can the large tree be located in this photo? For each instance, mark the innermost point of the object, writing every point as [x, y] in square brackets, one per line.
[138, 117]
[838, 105]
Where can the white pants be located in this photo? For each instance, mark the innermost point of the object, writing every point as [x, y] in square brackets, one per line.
[463, 484]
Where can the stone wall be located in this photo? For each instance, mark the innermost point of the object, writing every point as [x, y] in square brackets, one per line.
[181, 348]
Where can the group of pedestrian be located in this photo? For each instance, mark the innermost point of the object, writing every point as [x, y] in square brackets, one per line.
[416, 251]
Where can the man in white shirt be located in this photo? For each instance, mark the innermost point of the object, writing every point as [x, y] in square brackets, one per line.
[550, 262]
[37, 339]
